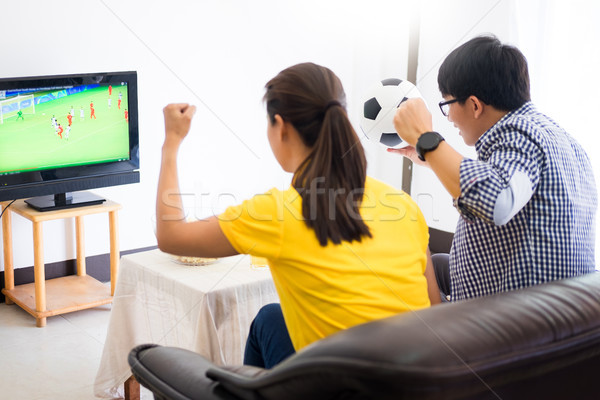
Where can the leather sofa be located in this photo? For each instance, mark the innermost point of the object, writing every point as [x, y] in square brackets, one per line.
[542, 342]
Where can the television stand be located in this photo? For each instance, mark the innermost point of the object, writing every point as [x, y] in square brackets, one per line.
[62, 201]
[57, 296]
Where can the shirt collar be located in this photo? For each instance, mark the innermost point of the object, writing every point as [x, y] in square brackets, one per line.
[526, 108]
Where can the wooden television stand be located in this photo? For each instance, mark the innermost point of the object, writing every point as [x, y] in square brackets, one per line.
[58, 296]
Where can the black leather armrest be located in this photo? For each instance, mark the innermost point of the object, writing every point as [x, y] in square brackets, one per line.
[174, 373]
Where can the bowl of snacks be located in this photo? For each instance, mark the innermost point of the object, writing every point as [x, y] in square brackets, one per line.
[193, 261]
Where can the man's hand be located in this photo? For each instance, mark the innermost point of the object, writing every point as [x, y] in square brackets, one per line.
[410, 153]
[412, 119]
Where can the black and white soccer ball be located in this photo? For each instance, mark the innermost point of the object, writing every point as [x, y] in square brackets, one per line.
[381, 102]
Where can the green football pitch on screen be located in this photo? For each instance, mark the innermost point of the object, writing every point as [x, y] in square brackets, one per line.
[31, 142]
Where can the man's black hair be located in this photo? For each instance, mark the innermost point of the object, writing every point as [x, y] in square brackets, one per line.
[483, 67]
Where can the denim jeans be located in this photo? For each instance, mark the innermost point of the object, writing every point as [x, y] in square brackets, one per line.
[268, 342]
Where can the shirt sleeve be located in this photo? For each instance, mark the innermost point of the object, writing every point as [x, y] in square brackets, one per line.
[255, 226]
[512, 198]
[496, 188]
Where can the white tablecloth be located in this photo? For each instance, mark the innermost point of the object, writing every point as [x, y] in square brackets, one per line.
[206, 309]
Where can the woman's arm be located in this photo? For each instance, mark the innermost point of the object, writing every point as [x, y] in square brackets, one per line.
[432, 287]
[174, 235]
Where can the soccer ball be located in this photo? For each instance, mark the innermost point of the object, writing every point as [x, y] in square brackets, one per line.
[381, 102]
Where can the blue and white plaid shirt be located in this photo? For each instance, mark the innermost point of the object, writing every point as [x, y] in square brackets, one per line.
[551, 237]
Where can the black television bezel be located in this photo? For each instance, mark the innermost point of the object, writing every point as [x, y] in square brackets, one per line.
[82, 177]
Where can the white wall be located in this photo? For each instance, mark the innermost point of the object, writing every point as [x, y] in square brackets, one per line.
[217, 55]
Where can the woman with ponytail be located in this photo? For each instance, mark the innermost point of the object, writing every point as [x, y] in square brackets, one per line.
[343, 248]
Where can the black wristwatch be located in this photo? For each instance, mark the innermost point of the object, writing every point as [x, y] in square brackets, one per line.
[428, 141]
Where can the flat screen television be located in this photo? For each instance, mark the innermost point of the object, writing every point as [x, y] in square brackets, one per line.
[63, 134]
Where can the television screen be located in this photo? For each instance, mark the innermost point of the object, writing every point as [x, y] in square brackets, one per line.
[67, 133]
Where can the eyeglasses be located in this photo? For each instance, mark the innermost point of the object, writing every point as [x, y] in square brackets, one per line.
[445, 106]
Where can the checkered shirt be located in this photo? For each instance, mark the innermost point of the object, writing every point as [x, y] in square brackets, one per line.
[551, 237]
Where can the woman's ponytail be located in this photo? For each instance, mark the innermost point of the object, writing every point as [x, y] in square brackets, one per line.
[331, 179]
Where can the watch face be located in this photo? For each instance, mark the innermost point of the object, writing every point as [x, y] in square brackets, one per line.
[429, 141]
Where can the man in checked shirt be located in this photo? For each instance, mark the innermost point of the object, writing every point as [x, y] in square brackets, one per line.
[528, 203]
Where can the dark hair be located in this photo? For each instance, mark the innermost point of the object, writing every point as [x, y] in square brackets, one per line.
[495, 73]
[331, 179]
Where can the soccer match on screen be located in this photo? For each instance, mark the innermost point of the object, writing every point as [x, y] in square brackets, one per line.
[60, 127]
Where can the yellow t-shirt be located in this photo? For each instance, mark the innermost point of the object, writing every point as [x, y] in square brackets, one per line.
[326, 289]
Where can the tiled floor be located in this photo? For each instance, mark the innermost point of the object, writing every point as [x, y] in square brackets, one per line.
[58, 361]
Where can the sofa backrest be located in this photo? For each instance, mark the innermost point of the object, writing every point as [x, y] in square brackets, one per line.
[538, 342]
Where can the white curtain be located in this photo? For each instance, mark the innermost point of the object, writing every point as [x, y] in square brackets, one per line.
[561, 42]
[444, 26]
